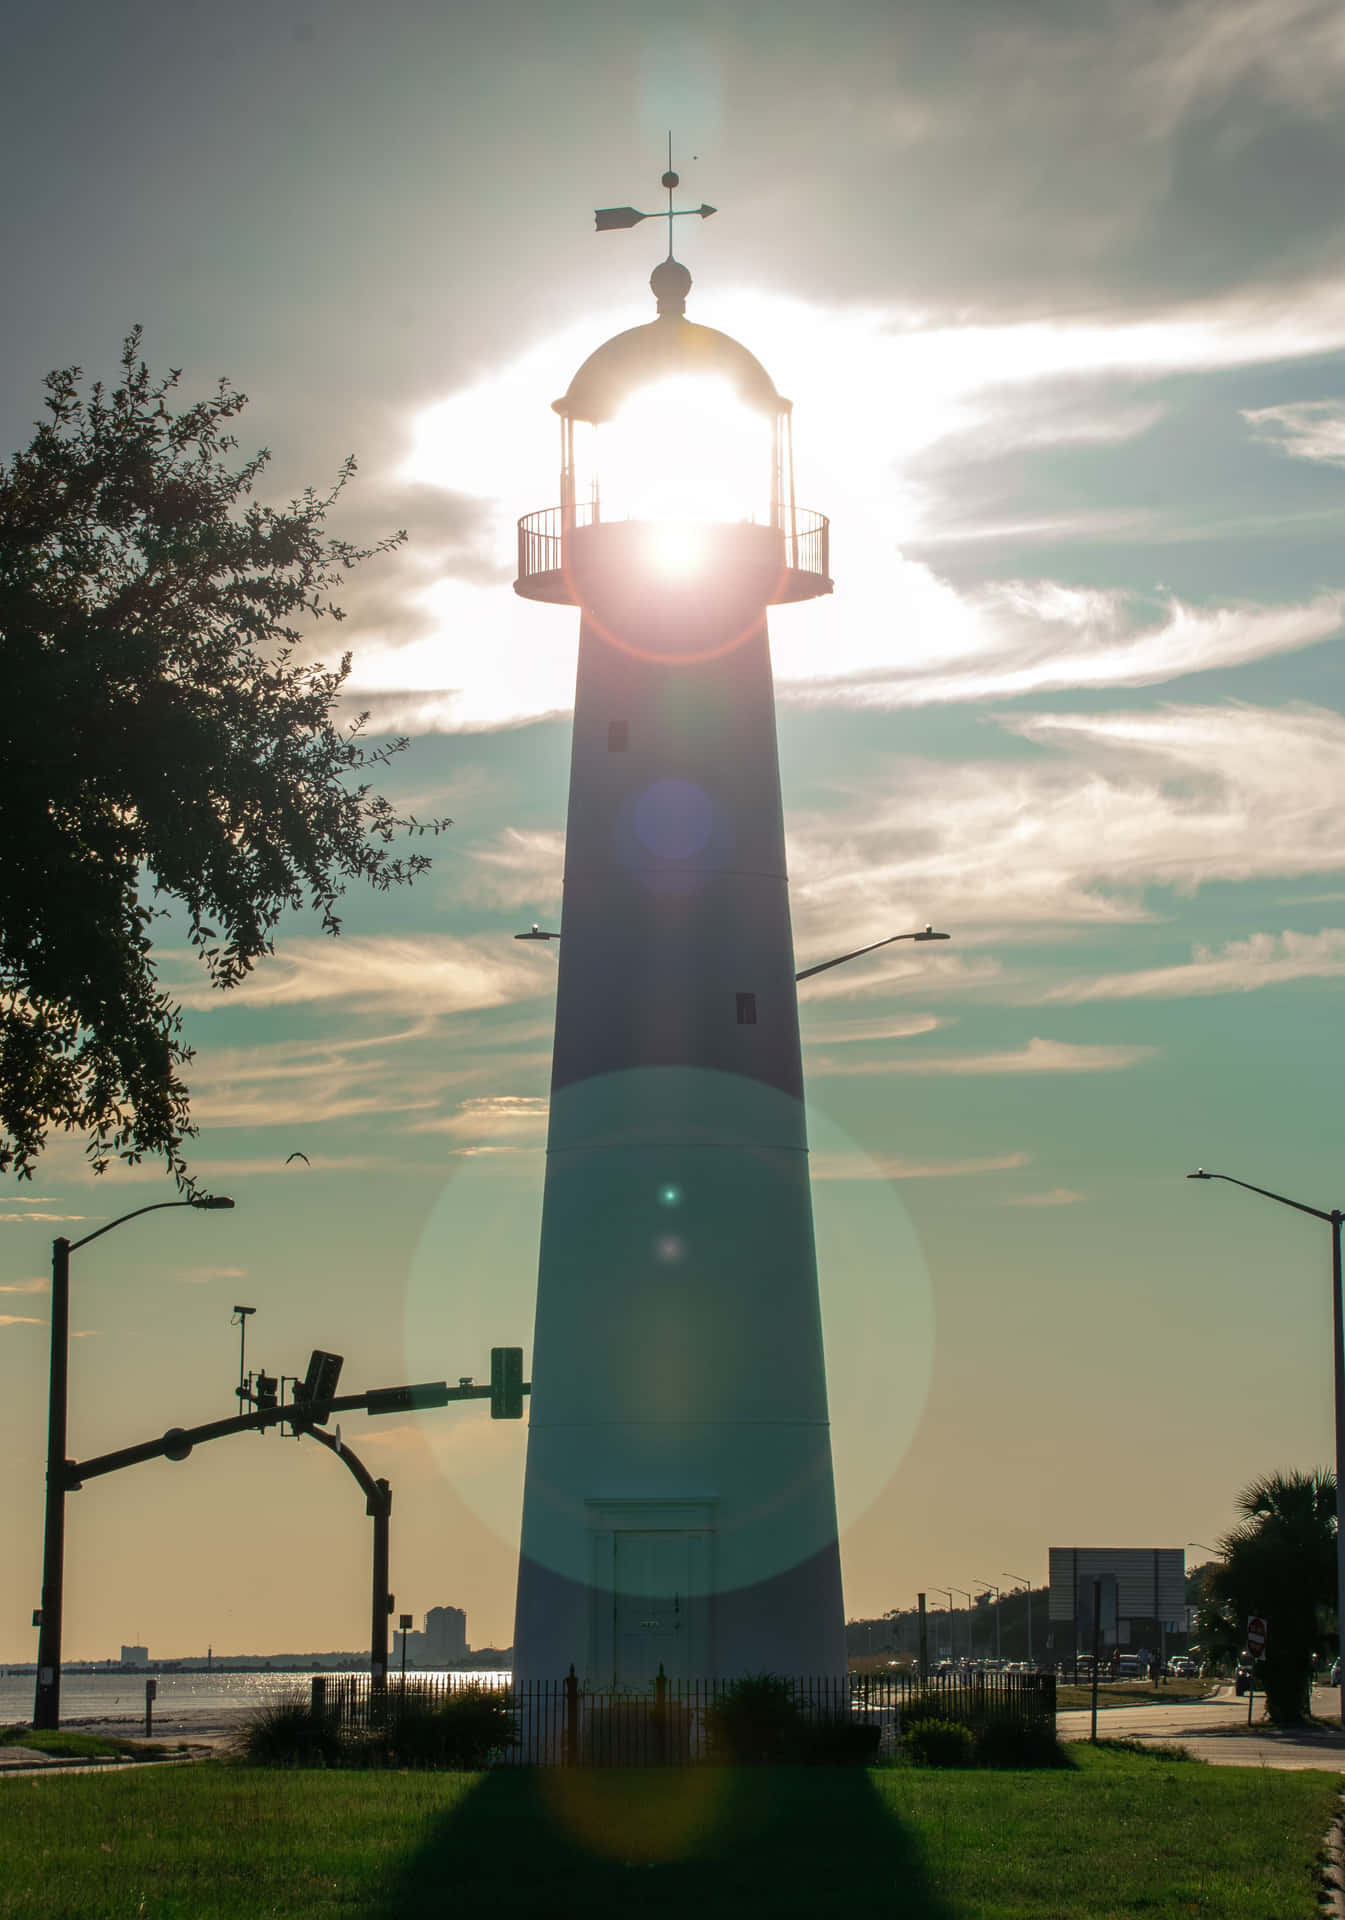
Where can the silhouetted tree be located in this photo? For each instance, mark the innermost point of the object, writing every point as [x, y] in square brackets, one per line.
[1281, 1563]
[158, 742]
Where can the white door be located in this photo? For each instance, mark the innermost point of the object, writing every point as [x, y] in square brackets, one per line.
[656, 1606]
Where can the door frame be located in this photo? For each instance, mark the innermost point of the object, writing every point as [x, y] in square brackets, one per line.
[605, 1520]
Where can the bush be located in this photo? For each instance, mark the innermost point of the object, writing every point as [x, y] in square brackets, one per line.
[939, 1743]
[463, 1730]
[841, 1742]
[287, 1733]
[1005, 1742]
[756, 1721]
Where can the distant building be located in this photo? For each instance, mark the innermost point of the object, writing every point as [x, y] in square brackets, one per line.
[442, 1643]
[135, 1656]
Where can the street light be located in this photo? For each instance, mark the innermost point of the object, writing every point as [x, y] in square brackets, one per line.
[967, 1597]
[995, 1590]
[47, 1698]
[1333, 1218]
[952, 1645]
[1028, 1584]
[925, 933]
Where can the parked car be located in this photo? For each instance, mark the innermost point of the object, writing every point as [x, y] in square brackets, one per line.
[1333, 1678]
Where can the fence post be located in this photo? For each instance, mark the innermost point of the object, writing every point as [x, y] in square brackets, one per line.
[318, 1702]
[660, 1716]
[571, 1718]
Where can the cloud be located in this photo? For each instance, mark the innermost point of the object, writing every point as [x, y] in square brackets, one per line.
[35, 1283]
[878, 1027]
[202, 1276]
[434, 973]
[48, 1216]
[1056, 1197]
[523, 867]
[1242, 966]
[1306, 429]
[20, 1320]
[1037, 1056]
[1103, 808]
[863, 1166]
[505, 1117]
[1021, 637]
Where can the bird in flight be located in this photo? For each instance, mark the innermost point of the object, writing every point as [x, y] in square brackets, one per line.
[300, 1156]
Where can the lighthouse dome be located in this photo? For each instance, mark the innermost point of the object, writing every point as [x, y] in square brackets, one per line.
[667, 348]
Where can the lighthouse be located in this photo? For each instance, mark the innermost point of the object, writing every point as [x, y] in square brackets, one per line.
[679, 1508]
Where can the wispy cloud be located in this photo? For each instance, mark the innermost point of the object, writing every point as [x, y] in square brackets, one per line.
[1242, 966]
[202, 1276]
[47, 1216]
[35, 1283]
[1307, 429]
[862, 1166]
[435, 973]
[503, 1117]
[894, 1026]
[1072, 834]
[20, 1320]
[1037, 1056]
[1055, 1197]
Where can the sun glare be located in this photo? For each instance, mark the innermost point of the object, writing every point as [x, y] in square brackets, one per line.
[684, 451]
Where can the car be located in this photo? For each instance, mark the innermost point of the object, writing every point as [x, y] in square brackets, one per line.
[1182, 1667]
[1129, 1667]
[1243, 1678]
[1333, 1678]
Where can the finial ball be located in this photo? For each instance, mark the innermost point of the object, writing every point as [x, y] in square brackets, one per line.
[670, 283]
[671, 180]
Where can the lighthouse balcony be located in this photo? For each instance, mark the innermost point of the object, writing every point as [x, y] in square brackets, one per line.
[562, 549]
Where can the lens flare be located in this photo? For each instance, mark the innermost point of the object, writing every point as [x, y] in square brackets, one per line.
[684, 450]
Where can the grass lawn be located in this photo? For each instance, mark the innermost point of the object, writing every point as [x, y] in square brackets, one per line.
[1134, 1693]
[1120, 1835]
[83, 1746]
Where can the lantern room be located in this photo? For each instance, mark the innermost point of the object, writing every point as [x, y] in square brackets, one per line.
[676, 463]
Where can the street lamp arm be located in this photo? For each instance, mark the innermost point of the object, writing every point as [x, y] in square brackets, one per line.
[1298, 1205]
[925, 933]
[210, 1203]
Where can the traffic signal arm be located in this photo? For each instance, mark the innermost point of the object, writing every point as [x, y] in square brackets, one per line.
[178, 1442]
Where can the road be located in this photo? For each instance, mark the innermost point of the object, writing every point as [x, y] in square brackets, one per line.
[1216, 1730]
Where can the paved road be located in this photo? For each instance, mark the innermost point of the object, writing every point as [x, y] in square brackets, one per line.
[1216, 1730]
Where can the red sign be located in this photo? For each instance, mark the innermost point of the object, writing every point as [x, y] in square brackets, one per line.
[1256, 1636]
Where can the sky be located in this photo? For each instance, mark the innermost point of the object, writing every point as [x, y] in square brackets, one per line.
[1058, 292]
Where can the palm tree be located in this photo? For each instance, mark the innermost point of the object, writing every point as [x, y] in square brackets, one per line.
[1280, 1562]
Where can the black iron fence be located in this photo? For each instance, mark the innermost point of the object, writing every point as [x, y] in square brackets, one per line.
[569, 1723]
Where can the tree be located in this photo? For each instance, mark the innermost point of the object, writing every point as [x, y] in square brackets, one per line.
[1281, 1563]
[159, 743]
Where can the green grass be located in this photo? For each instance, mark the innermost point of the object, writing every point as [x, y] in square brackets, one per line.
[1122, 1835]
[81, 1746]
[1134, 1693]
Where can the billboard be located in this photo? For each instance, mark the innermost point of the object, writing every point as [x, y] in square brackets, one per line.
[1150, 1582]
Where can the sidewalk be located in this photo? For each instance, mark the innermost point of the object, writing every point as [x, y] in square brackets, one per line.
[1216, 1730]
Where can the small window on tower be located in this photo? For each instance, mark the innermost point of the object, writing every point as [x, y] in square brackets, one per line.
[618, 736]
[747, 1009]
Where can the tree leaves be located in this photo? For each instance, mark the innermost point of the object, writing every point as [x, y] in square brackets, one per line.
[158, 740]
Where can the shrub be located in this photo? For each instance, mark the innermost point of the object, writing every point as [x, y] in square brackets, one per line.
[462, 1730]
[1005, 1742]
[939, 1743]
[287, 1733]
[840, 1742]
[755, 1721]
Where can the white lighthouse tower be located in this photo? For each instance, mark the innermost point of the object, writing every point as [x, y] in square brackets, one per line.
[679, 1508]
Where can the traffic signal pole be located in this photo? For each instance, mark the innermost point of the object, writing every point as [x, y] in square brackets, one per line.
[506, 1394]
[47, 1698]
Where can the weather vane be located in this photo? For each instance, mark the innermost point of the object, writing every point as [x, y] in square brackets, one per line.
[608, 218]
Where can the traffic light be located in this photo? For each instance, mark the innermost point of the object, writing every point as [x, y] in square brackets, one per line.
[265, 1391]
[506, 1383]
[319, 1383]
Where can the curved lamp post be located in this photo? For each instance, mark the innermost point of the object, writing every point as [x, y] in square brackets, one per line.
[991, 1588]
[536, 932]
[925, 933]
[952, 1619]
[1333, 1218]
[47, 1698]
[968, 1598]
[1028, 1584]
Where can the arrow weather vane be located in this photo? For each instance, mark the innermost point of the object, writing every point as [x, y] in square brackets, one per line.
[608, 218]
